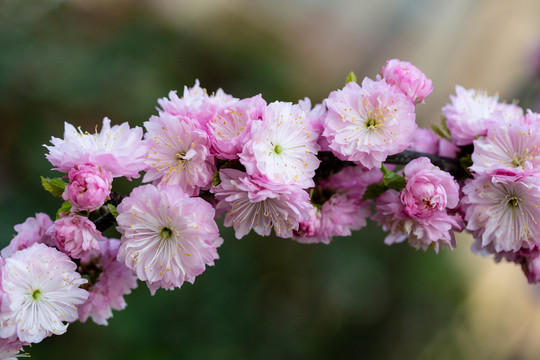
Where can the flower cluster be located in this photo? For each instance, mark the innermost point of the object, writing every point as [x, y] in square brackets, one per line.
[308, 173]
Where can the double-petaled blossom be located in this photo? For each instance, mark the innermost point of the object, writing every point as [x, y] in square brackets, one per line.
[117, 149]
[228, 128]
[407, 78]
[109, 281]
[75, 235]
[178, 153]
[258, 204]
[167, 237]
[33, 230]
[40, 293]
[89, 186]
[510, 148]
[366, 124]
[502, 211]
[282, 148]
[195, 104]
[420, 211]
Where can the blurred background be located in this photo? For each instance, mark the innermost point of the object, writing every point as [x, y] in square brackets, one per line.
[268, 298]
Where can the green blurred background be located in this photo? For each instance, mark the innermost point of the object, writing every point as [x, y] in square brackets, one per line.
[268, 298]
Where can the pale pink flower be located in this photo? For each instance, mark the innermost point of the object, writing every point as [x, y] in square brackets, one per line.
[448, 149]
[503, 211]
[514, 148]
[429, 190]
[33, 230]
[178, 153]
[117, 149]
[196, 103]
[308, 229]
[282, 147]
[260, 205]
[353, 180]
[342, 214]
[11, 347]
[229, 126]
[40, 293]
[167, 237]
[366, 124]
[110, 280]
[316, 116]
[89, 187]
[435, 231]
[470, 114]
[407, 78]
[425, 140]
[75, 235]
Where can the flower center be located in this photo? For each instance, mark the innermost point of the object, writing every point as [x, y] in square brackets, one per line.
[518, 161]
[514, 201]
[278, 149]
[166, 233]
[179, 157]
[36, 294]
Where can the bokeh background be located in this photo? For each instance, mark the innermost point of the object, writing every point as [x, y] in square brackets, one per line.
[269, 298]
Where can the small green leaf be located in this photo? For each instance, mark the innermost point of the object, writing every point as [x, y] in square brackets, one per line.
[350, 77]
[55, 186]
[112, 210]
[373, 191]
[440, 133]
[66, 207]
[392, 180]
[466, 161]
[444, 127]
[216, 180]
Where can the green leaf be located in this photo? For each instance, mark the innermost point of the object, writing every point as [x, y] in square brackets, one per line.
[55, 186]
[373, 191]
[112, 210]
[440, 133]
[350, 77]
[66, 207]
[392, 180]
[444, 127]
[216, 180]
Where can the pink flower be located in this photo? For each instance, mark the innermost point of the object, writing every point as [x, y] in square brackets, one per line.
[407, 78]
[425, 140]
[89, 186]
[513, 148]
[429, 190]
[260, 205]
[282, 147]
[10, 348]
[470, 114]
[448, 149]
[178, 153]
[196, 104]
[167, 237]
[435, 231]
[502, 211]
[343, 213]
[110, 281]
[420, 211]
[40, 292]
[227, 130]
[366, 124]
[33, 230]
[75, 235]
[308, 229]
[118, 149]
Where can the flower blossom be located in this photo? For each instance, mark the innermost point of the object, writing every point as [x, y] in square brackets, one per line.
[40, 293]
[75, 235]
[229, 126]
[117, 149]
[89, 186]
[420, 211]
[178, 153]
[282, 147]
[407, 78]
[366, 124]
[196, 104]
[110, 280]
[167, 237]
[502, 211]
[260, 205]
[33, 230]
